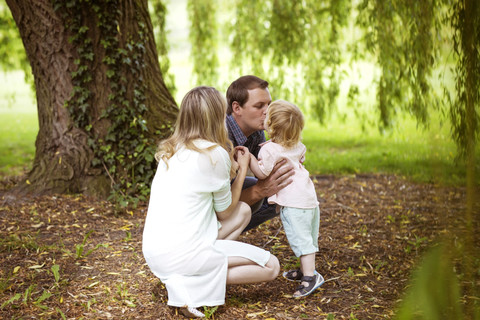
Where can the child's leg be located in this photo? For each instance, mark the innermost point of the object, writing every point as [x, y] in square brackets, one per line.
[307, 264]
[307, 261]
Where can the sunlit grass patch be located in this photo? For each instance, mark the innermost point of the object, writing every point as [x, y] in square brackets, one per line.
[18, 124]
[424, 155]
[17, 142]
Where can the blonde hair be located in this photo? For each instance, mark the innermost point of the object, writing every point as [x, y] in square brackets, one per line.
[284, 123]
[201, 116]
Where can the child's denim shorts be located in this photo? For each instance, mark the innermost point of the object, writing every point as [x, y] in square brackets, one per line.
[301, 227]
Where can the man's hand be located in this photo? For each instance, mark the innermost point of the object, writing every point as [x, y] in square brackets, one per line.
[279, 178]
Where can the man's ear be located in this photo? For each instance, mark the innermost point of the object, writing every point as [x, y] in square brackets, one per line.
[236, 107]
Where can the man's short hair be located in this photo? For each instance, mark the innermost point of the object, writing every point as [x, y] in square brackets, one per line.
[238, 90]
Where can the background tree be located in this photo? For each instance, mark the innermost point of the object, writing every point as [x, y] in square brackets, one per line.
[158, 12]
[465, 116]
[101, 97]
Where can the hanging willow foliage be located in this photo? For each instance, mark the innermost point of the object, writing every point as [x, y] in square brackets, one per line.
[401, 35]
[299, 47]
[12, 52]
[294, 45]
[464, 108]
[159, 18]
[204, 39]
[248, 33]
[323, 54]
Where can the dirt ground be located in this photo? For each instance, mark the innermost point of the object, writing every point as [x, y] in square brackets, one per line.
[72, 257]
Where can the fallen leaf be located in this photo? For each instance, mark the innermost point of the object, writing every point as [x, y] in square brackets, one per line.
[38, 225]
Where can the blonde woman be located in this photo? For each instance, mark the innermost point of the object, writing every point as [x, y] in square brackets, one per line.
[194, 214]
[298, 202]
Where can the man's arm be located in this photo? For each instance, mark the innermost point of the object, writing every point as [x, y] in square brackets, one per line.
[279, 178]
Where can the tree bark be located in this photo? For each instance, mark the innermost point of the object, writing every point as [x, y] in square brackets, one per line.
[63, 157]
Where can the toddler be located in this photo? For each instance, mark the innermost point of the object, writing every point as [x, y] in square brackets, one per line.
[297, 202]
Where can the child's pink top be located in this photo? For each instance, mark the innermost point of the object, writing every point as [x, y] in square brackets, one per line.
[301, 192]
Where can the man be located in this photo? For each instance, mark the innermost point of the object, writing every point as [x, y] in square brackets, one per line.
[248, 98]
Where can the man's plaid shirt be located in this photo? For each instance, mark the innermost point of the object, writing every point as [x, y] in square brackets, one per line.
[239, 139]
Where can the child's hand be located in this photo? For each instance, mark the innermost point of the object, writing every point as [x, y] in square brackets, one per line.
[241, 149]
[264, 143]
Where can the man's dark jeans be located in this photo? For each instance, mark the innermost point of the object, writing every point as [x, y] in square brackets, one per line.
[264, 212]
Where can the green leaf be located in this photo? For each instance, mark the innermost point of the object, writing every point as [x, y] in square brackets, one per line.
[45, 295]
[435, 293]
[83, 29]
[11, 300]
[110, 73]
[55, 270]
[61, 313]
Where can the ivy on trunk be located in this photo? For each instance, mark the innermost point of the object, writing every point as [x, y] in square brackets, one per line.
[102, 101]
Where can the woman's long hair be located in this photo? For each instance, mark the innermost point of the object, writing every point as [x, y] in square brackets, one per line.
[202, 116]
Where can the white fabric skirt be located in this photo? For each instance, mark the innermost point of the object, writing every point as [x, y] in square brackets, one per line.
[198, 277]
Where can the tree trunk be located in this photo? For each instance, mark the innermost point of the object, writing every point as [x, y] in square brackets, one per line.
[63, 158]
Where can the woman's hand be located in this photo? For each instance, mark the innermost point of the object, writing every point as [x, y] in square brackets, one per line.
[233, 172]
[242, 156]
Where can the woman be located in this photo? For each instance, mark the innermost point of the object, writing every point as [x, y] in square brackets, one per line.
[194, 214]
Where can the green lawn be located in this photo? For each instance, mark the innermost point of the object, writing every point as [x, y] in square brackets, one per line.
[18, 124]
[341, 146]
[422, 155]
[17, 142]
[336, 147]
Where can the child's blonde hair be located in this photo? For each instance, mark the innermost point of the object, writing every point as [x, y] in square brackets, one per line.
[202, 116]
[284, 123]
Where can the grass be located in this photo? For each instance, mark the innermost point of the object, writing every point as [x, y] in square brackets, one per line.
[423, 155]
[336, 147]
[18, 124]
[17, 142]
[343, 146]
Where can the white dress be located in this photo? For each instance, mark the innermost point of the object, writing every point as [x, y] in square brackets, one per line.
[181, 227]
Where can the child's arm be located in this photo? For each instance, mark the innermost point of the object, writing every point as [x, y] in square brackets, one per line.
[256, 168]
